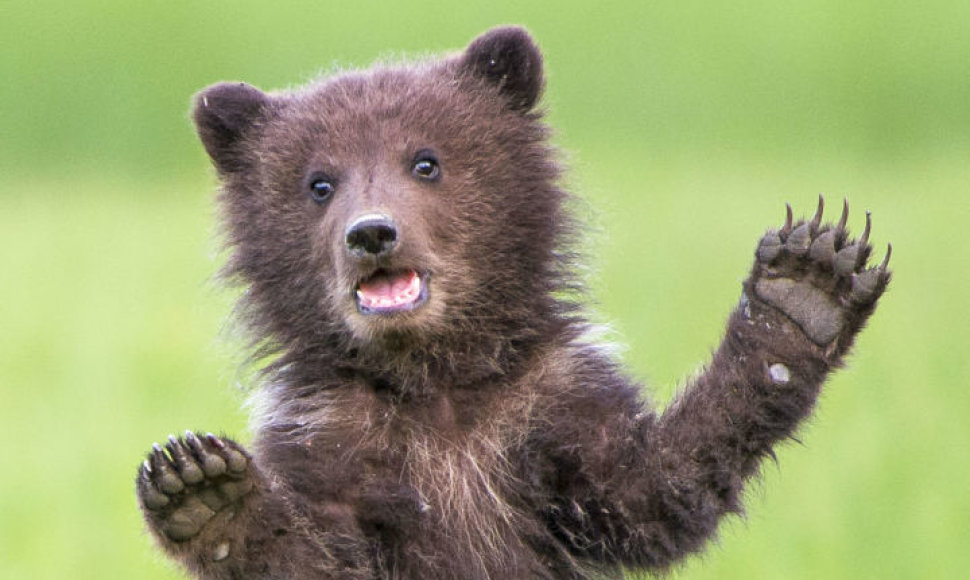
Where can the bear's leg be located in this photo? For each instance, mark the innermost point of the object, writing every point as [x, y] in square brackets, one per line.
[808, 295]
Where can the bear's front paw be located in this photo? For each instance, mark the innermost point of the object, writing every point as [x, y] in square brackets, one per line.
[818, 277]
[185, 484]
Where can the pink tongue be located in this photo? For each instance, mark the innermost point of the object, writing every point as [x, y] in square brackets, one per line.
[389, 290]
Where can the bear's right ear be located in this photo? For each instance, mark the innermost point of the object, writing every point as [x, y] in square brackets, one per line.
[508, 58]
[223, 114]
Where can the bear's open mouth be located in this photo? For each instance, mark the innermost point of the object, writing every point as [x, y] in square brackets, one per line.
[385, 292]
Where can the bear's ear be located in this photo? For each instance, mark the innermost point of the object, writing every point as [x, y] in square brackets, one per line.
[223, 113]
[508, 58]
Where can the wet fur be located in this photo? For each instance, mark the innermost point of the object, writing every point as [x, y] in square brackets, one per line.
[486, 435]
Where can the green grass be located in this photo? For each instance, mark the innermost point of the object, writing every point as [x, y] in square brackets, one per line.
[112, 340]
[108, 344]
[98, 81]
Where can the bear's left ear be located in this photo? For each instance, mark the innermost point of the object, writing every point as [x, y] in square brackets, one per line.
[508, 58]
[224, 113]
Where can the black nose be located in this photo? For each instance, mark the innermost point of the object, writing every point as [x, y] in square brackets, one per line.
[371, 234]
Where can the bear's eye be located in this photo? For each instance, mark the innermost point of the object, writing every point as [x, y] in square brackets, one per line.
[321, 188]
[426, 166]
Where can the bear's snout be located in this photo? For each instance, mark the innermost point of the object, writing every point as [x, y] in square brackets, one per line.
[371, 235]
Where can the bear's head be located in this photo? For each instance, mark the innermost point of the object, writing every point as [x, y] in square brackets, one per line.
[407, 209]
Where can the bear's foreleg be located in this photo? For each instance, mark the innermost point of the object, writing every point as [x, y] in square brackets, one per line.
[807, 297]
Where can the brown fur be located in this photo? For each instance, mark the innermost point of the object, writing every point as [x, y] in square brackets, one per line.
[482, 434]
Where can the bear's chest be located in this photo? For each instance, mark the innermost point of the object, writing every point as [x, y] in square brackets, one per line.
[444, 501]
[436, 484]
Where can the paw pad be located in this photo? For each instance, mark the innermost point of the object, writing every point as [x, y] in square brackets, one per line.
[817, 276]
[185, 483]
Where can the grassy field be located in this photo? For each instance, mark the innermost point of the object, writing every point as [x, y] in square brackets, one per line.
[687, 129]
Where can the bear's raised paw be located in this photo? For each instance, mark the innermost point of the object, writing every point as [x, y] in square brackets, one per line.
[187, 482]
[817, 277]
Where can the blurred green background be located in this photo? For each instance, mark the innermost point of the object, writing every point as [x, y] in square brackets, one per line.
[687, 124]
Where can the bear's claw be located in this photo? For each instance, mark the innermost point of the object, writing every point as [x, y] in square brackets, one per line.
[185, 483]
[816, 276]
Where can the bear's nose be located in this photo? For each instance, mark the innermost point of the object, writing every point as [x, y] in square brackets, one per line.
[371, 234]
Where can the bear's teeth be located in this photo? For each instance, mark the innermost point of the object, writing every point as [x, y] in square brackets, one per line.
[390, 290]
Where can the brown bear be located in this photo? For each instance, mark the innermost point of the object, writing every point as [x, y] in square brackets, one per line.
[435, 405]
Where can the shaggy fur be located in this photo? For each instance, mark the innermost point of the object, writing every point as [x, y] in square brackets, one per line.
[475, 431]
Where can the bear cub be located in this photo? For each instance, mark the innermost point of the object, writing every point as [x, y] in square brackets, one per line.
[434, 405]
